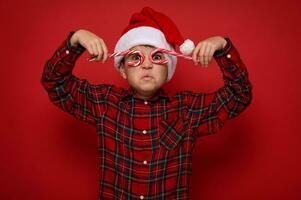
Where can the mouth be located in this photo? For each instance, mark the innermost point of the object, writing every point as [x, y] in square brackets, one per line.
[146, 77]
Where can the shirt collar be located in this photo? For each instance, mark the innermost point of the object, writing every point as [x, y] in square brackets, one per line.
[160, 94]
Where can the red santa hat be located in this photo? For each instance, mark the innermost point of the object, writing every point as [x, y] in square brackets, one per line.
[150, 27]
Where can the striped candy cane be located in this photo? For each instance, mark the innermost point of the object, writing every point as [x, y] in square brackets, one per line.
[115, 54]
[123, 53]
[174, 53]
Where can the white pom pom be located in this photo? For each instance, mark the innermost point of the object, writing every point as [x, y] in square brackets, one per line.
[187, 47]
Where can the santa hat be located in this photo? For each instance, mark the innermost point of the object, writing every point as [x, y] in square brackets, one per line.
[150, 27]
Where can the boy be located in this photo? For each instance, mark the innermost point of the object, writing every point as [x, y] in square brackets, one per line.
[146, 136]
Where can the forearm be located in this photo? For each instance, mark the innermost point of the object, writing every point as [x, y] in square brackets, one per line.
[74, 39]
[57, 78]
[236, 94]
[58, 68]
[71, 94]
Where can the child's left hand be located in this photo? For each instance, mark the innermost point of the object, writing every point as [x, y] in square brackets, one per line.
[205, 49]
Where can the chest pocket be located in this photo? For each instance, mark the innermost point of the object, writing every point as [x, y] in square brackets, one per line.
[171, 134]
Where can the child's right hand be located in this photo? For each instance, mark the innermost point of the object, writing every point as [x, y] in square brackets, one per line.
[94, 44]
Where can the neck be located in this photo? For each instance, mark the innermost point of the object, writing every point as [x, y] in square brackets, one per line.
[144, 96]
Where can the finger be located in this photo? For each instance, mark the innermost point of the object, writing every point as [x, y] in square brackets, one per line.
[100, 51]
[105, 50]
[94, 48]
[201, 54]
[206, 55]
[90, 50]
[211, 52]
[195, 53]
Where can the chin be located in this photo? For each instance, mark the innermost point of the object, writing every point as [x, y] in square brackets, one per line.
[148, 87]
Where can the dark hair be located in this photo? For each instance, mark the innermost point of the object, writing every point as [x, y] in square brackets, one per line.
[122, 60]
[121, 63]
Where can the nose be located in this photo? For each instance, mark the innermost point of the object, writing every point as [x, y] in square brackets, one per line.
[147, 63]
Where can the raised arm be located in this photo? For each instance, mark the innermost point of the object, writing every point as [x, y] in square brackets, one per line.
[207, 112]
[71, 94]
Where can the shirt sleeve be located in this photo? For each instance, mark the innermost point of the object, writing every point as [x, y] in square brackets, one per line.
[75, 96]
[207, 112]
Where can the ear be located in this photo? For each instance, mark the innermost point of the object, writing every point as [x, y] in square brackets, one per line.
[122, 71]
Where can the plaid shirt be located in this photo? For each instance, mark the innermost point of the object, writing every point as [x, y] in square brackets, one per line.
[145, 147]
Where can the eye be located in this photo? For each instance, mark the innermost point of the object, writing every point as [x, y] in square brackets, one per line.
[134, 57]
[158, 56]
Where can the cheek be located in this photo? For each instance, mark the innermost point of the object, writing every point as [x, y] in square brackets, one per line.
[162, 70]
[166, 70]
[132, 73]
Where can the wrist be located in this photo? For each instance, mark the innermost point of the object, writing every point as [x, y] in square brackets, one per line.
[225, 49]
[224, 43]
[74, 40]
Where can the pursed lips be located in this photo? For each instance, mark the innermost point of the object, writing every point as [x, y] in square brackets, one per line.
[146, 76]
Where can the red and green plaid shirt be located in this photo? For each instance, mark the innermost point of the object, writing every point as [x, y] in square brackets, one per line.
[145, 147]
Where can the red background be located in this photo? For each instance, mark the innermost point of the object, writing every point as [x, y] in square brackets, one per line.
[46, 154]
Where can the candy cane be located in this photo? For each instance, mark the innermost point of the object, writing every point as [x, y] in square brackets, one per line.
[115, 54]
[174, 53]
[123, 53]
[133, 63]
[161, 62]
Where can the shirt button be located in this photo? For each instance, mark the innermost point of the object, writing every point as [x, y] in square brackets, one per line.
[141, 197]
[145, 102]
[229, 56]
[144, 131]
[67, 52]
[145, 162]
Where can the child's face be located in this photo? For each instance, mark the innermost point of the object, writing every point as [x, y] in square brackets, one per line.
[147, 77]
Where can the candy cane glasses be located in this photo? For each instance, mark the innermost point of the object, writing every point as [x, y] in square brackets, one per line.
[135, 58]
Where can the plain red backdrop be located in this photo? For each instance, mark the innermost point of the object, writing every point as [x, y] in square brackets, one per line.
[47, 154]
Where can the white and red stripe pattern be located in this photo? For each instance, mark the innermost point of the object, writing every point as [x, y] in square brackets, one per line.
[173, 53]
[123, 53]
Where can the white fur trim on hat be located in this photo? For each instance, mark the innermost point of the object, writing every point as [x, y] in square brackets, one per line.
[145, 35]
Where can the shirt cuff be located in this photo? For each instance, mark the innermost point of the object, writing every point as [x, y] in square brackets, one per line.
[223, 51]
[228, 54]
[79, 49]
